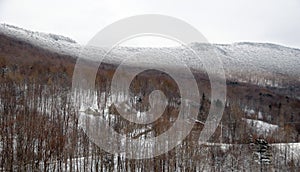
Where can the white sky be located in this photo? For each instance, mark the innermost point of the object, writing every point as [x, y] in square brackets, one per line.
[220, 21]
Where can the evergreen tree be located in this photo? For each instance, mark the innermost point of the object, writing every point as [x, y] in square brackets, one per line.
[262, 154]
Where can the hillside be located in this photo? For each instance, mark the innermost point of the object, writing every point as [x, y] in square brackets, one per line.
[40, 128]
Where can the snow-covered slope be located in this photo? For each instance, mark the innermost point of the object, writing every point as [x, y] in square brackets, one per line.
[243, 61]
[262, 58]
[261, 127]
[57, 43]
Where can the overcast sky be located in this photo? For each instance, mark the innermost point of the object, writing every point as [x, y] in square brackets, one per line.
[222, 21]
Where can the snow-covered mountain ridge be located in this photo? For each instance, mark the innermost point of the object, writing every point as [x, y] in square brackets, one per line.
[261, 63]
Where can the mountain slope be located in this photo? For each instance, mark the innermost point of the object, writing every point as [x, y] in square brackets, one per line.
[261, 63]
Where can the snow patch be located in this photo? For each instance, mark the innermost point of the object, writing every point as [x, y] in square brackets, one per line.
[261, 127]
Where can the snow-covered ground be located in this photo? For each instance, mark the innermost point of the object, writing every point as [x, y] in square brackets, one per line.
[282, 153]
[288, 150]
[261, 127]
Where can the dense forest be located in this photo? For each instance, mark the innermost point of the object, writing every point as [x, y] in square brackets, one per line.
[40, 130]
